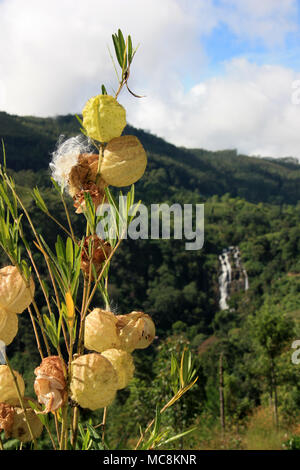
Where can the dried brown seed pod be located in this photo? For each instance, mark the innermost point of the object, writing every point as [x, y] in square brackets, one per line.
[123, 363]
[6, 418]
[15, 294]
[94, 381]
[100, 332]
[50, 384]
[95, 251]
[124, 161]
[84, 173]
[136, 330]
[98, 197]
[19, 429]
[103, 118]
[8, 389]
[8, 326]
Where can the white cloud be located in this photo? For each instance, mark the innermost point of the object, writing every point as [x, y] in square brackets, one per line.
[53, 57]
[267, 20]
[249, 108]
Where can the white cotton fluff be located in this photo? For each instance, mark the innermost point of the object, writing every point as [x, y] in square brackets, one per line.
[65, 157]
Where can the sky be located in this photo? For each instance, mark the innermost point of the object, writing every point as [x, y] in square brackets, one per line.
[215, 74]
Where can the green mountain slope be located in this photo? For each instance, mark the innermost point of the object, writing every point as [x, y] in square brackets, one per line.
[29, 142]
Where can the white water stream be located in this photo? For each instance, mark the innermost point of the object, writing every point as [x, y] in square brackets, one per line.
[229, 255]
[2, 352]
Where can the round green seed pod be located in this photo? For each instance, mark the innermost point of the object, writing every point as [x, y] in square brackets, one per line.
[8, 326]
[123, 364]
[103, 118]
[8, 390]
[124, 161]
[100, 332]
[94, 381]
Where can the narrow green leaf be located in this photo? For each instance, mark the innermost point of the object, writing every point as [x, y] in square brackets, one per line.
[129, 49]
[60, 249]
[117, 49]
[50, 331]
[39, 200]
[178, 436]
[96, 437]
[157, 421]
[42, 417]
[56, 186]
[4, 154]
[121, 41]
[69, 253]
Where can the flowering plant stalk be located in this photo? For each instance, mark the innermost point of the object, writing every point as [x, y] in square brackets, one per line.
[85, 349]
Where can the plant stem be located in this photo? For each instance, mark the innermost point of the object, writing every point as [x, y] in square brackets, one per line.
[64, 428]
[104, 423]
[68, 218]
[102, 271]
[35, 333]
[75, 427]
[41, 326]
[221, 394]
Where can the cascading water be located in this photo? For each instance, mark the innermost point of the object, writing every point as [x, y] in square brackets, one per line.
[233, 275]
[224, 280]
[2, 352]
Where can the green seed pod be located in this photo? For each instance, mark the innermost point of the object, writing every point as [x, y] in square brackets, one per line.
[103, 118]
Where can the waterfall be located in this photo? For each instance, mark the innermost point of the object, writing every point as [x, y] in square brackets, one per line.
[237, 258]
[224, 280]
[233, 275]
[2, 352]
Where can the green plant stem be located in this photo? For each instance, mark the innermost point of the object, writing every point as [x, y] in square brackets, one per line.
[68, 218]
[59, 224]
[101, 273]
[35, 333]
[64, 428]
[56, 426]
[101, 152]
[104, 423]
[39, 245]
[81, 328]
[41, 326]
[75, 427]
[50, 436]
[57, 302]
[176, 397]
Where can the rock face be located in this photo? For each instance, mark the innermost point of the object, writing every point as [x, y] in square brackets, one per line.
[233, 276]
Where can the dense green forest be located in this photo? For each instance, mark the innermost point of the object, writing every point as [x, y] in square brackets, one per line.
[253, 203]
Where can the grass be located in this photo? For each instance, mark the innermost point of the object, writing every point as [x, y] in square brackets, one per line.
[258, 432]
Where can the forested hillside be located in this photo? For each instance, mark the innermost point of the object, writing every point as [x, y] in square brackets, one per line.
[249, 202]
[29, 142]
